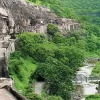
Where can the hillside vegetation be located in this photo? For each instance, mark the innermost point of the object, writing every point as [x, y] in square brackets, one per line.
[86, 12]
[54, 57]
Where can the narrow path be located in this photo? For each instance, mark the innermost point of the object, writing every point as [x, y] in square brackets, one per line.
[39, 87]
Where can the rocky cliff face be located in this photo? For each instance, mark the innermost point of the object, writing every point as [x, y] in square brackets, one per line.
[17, 16]
[6, 47]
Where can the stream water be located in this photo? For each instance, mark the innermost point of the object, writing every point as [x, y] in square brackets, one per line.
[88, 88]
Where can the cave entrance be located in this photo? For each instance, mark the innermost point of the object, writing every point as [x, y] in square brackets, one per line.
[32, 22]
[40, 79]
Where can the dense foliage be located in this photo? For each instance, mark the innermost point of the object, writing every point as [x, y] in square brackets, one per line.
[57, 62]
[57, 58]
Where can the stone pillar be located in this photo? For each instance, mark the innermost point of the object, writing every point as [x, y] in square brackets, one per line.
[86, 79]
[99, 87]
[1, 67]
[6, 74]
[0, 74]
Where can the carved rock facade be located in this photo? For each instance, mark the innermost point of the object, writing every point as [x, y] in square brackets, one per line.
[17, 16]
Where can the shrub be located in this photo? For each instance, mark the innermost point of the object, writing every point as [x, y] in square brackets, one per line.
[33, 96]
[52, 29]
[54, 98]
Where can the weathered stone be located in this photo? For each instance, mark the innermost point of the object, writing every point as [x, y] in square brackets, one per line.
[19, 16]
[7, 46]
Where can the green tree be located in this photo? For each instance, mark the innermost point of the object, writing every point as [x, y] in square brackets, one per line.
[52, 29]
[57, 76]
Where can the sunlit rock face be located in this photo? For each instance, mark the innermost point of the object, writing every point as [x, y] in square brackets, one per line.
[7, 46]
[17, 16]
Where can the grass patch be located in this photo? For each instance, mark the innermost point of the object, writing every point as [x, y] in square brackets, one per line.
[20, 70]
[93, 97]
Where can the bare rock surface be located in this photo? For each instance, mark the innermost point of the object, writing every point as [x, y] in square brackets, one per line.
[5, 95]
[17, 16]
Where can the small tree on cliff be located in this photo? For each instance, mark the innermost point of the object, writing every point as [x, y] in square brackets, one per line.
[52, 29]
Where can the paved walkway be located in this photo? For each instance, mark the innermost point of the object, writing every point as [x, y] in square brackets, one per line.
[39, 87]
[5, 95]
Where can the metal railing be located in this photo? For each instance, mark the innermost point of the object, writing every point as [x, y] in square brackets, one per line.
[80, 79]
